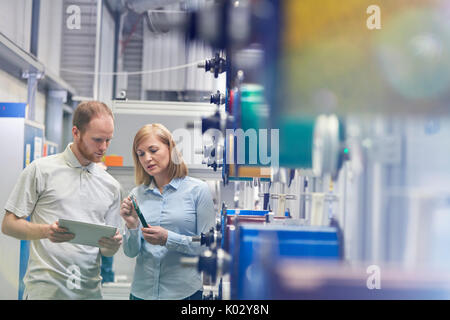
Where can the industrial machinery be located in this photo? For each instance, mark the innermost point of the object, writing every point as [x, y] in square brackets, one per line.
[256, 154]
[308, 128]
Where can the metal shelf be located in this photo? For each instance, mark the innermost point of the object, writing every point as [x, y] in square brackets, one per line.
[195, 171]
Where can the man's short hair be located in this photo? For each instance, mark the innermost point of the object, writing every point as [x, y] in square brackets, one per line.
[86, 111]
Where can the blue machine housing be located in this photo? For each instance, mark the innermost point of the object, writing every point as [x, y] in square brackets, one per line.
[232, 212]
[243, 213]
[257, 247]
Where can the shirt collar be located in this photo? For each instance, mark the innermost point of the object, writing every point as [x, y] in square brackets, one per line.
[151, 186]
[174, 183]
[73, 162]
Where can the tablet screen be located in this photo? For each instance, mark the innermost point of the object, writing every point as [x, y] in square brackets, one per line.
[87, 233]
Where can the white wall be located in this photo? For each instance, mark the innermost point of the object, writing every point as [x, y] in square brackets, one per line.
[106, 57]
[50, 25]
[169, 50]
[14, 90]
[10, 168]
[15, 21]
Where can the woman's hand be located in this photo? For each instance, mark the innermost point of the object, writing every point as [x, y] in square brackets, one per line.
[155, 235]
[128, 213]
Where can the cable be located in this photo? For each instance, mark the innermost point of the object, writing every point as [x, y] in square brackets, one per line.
[134, 72]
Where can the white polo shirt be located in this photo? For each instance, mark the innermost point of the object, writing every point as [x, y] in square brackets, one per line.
[56, 187]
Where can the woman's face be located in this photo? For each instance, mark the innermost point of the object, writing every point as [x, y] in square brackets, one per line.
[154, 156]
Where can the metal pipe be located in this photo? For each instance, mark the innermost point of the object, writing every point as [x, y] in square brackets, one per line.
[117, 16]
[35, 27]
[98, 49]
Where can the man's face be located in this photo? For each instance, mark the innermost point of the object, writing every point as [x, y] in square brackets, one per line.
[95, 140]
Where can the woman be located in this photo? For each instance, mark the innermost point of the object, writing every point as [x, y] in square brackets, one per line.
[175, 207]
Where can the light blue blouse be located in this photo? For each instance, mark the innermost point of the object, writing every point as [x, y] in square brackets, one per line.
[185, 208]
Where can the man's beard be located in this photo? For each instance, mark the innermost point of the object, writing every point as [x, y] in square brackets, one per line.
[85, 153]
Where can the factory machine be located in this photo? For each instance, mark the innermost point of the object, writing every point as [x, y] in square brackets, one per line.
[284, 169]
[287, 166]
[328, 132]
[320, 134]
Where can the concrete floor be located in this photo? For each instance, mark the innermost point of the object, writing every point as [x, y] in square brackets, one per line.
[124, 269]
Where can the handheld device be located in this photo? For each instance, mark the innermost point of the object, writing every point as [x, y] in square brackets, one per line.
[138, 211]
[87, 233]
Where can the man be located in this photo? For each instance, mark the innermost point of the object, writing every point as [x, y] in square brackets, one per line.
[67, 185]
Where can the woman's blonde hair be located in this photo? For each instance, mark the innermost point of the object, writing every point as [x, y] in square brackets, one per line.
[177, 167]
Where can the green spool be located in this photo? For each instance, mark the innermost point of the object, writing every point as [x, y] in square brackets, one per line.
[296, 142]
[254, 116]
[295, 133]
[254, 111]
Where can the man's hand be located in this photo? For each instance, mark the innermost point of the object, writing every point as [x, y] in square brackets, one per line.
[109, 246]
[22, 229]
[155, 235]
[57, 234]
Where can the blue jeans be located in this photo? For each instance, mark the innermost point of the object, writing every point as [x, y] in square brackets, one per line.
[106, 269]
[196, 296]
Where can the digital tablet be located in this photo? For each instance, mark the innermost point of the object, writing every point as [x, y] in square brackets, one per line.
[87, 233]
